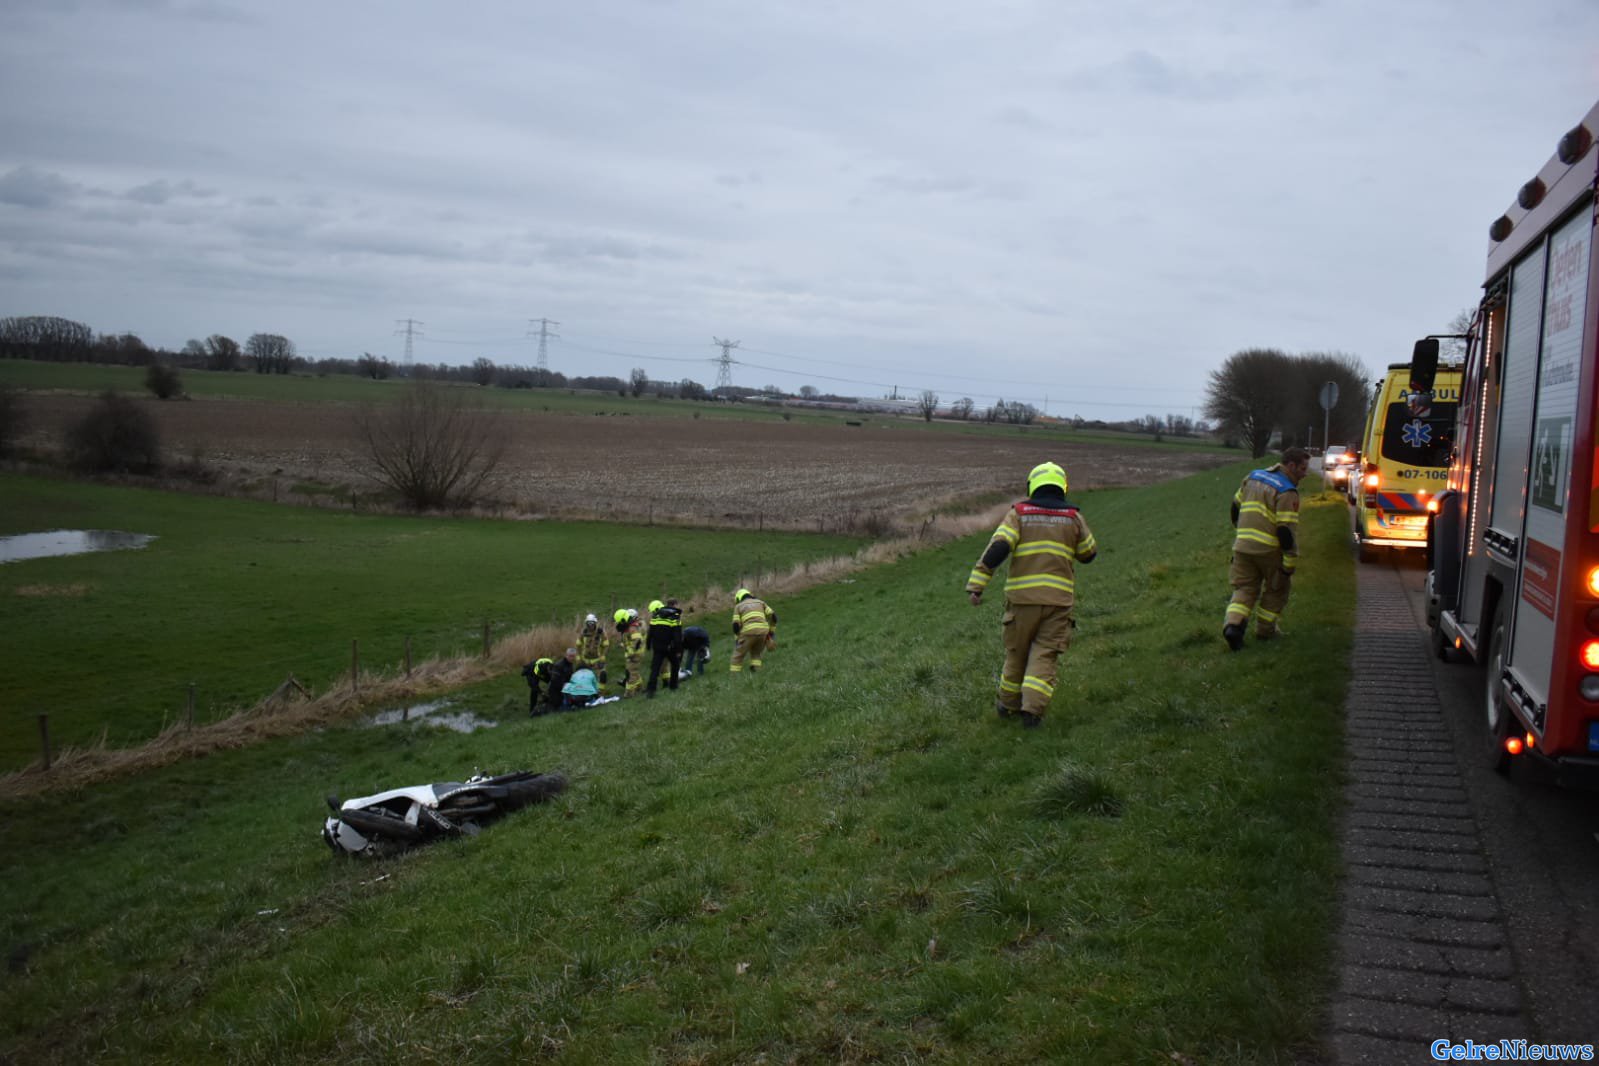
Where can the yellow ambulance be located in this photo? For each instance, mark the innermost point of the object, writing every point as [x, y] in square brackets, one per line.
[1404, 460]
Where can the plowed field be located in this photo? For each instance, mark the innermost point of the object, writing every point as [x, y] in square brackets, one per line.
[713, 471]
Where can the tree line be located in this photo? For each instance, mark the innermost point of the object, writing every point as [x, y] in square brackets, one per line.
[1261, 393]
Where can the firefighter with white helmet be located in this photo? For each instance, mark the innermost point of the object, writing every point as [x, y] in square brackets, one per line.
[754, 630]
[631, 633]
[1044, 537]
[592, 645]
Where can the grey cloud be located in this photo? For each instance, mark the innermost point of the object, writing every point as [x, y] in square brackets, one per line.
[736, 181]
[1143, 72]
[1023, 118]
[26, 186]
[161, 190]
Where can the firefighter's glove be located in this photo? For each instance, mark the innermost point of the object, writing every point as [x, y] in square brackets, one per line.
[976, 598]
[603, 678]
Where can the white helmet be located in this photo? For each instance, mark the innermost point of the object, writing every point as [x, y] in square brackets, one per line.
[591, 621]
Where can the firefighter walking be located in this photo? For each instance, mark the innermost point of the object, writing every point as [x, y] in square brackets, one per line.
[754, 629]
[1044, 537]
[1265, 511]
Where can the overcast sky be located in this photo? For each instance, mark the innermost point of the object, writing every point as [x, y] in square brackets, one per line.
[1085, 203]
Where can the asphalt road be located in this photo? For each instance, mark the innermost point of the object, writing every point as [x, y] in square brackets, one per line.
[1541, 846]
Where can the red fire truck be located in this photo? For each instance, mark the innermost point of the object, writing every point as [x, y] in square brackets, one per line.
[1514, 539]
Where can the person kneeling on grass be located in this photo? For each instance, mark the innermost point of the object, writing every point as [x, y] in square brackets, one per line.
[581, 690]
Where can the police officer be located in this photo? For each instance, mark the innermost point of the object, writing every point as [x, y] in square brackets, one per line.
[1044, 537]
[665, 640]
[537, 673]
[1265, 552]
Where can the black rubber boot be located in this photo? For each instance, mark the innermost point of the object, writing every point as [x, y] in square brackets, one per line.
[1234, 635]
[1031, 721]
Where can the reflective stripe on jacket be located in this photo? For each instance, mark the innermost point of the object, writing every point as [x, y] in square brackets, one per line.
[752, 616]
[1266, 500]
[1043, 543]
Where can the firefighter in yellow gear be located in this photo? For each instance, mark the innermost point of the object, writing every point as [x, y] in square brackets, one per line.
[592, 645]
[754, 629]
[1265, 552]
[630, 632]
[1044, 537]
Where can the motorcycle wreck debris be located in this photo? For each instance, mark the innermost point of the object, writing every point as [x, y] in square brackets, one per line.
[399, 818]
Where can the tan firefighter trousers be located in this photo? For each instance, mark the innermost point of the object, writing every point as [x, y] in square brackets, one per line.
[1035, 635]
[1260, 588]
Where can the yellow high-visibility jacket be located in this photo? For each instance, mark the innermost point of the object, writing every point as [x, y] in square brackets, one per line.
[1267, 515]
[1044, 540]
[752, 616]
[592, 643]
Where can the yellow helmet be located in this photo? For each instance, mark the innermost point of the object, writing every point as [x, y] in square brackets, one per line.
[1046, 474]
[656, 605]
[741, 595]
[621, 614]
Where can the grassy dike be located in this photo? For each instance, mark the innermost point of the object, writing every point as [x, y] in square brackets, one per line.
[235, 595]
[845, 858]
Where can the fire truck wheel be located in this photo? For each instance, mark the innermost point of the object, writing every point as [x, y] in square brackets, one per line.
[1365, 552]
[1499, 717]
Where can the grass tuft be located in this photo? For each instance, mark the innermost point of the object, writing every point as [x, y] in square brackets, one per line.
[1076, 789]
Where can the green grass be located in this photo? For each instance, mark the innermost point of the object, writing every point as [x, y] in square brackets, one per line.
[847, 857]
[233, 596]
[346, 388]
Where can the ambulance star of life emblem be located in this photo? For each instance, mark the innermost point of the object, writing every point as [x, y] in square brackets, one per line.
[1416, 433]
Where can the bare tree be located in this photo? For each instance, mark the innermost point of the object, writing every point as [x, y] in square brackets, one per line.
[45, 337]
[807, 392]
[927, 404]
[483, 371]
[434, 446]
[1249, 394]
[222, 353]
[273, 354]
[962, 408]
[1348, 416]
[689, 389]
[371, 366]
[1453, 350]
[637, 382]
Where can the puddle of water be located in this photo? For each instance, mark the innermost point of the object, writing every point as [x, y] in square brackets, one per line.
[68, 542]
[434, 713]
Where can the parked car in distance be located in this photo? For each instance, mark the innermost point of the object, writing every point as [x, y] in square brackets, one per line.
[1336, 463]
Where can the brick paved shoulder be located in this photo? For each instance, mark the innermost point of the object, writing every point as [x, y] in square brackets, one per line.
[1422, 949]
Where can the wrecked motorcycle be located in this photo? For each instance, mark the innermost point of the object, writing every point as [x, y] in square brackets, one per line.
[401, 817]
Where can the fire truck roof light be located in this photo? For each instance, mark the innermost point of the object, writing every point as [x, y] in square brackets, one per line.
[1593, 581]
[1588, 655]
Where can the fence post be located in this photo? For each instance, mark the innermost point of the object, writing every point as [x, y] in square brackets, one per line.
[44, 737]
[485, 638]
[188, 712]
[760, 521]
[407, 656]
[355, 666]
